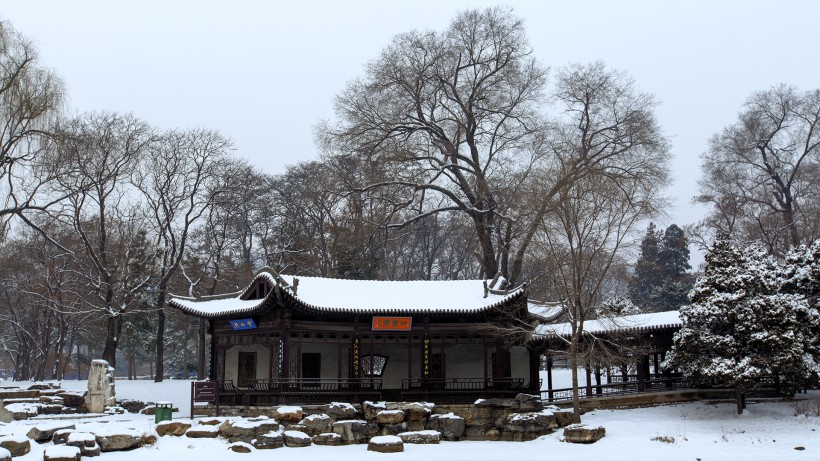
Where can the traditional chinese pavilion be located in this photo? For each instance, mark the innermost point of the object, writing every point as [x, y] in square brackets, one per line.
[309, 339]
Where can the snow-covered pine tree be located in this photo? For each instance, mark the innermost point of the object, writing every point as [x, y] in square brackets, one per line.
[739, 328]
[801, 275]
[802, 271]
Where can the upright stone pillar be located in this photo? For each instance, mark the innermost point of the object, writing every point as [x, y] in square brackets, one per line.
[101, 391]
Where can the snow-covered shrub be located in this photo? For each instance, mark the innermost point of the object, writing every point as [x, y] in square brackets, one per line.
[619, 306]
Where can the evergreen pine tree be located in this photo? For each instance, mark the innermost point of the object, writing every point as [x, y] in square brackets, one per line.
[739, 327]
[673, 259]
[661, 281]
[646, 278]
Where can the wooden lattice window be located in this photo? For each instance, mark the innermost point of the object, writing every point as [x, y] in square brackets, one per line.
[373, 365]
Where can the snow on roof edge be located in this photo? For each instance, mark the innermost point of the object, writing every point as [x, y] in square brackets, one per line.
[187, 304]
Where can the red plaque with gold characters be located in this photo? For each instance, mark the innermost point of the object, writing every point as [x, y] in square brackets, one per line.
[392, 323]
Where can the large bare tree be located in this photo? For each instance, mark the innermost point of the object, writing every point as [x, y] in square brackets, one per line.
[595, 214]
[100, 151]
[179, 178]
[30, 99]
[761, 175]
[456, 119]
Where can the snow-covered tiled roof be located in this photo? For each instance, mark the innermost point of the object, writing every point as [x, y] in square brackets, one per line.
[544, 311]
[627, 323]
[357, 296]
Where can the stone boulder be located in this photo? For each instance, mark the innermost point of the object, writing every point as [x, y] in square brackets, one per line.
[581, 433]
[563, 417]
[386, 444]
[328, 439]
[521, 403]
[6, 416]
[133, 406]
[296, 427]
[44, 432]
[73, 399]
[61, 453]
[352, 431]
[17, 446]
[240, 447]
[52, 400]
[288, 414]
[371, 409]
[85, 441]
[118, 439]
[316, 424]
[247, 430]
[541, 423]
[296, 439]
[390, 417]
[449, 425]
[5, 455]
[211, 421]
[202, 432]
[174, 428]
[421, 437]
[340, 410]
[268, 441]
[417, 411]
[61, 436]
[20, 411]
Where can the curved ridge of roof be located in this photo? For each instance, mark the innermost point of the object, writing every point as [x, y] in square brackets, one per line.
[324, 292]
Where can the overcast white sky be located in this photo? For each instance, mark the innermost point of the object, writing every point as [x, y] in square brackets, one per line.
[264, 72]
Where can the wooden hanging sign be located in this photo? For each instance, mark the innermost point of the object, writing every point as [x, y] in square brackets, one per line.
[392, 323]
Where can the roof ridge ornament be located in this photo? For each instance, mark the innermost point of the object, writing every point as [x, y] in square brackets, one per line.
[276, 276]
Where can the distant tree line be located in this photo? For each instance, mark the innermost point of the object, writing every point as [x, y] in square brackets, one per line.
[457, 155]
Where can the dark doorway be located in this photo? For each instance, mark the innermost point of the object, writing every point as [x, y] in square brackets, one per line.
[246, 369]
[437, 366]
[311, 365]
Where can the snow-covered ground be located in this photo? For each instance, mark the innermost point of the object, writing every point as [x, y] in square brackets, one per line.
[690, 431]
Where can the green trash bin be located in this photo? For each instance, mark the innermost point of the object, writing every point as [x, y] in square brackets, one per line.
[163, 411]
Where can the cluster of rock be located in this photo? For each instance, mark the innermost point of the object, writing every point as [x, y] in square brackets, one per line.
[384, 426]
[338, 424]
[71, 444]
[49, 399]
[38, 399]
[521, 418]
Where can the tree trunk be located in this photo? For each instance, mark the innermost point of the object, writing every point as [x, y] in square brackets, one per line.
[160, 357]
[576, 401]
[740, 400]
[483, 230]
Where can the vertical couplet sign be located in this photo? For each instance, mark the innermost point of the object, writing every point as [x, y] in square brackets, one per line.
[426, 357]
[356, 357]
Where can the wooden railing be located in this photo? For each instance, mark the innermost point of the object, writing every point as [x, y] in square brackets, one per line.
[617, 388]
[462, 384]
[282, 390]
[308, 385]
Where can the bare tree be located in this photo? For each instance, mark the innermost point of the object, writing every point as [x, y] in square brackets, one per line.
[100, 152]
[596, 215]
[456, 118]
[30, 99]
[179, 180]
[761, 175]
